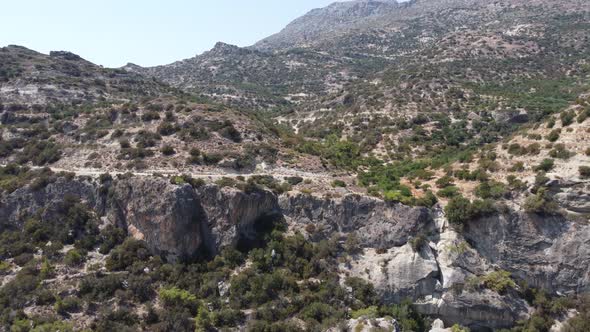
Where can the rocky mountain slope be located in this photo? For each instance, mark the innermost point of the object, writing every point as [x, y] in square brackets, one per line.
[428, 62]
[29, 77]
[374, 166]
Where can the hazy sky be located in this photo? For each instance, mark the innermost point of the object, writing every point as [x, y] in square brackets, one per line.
[145, 32]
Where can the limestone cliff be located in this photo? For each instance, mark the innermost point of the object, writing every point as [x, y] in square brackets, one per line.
[180, 221]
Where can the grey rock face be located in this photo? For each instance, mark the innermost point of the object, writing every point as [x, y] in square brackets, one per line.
[174, 220]
[398, 274]
[231, 215]
[26, 201]
[167, 217]
[482, 309]
[547, 251]
[573, 196]
[376, 223]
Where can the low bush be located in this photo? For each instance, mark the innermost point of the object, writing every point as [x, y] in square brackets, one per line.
[74, 257]
[490, 190]
[541, 203]
[460, 210]
[554, 135]
[559, 151]
[449, 192]
[167, 150]
[546, 165]
[175, 297]
[339, 183]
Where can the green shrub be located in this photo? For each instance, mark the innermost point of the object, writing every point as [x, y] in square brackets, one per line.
[226, 182]
[352, 245]
[444, 182]
[517, 167]
[227, 318]
[68, 305]
[560, 151]
[74, 257]
[449, 192]
[567, 118]
[585, 114]
[40, 153]
[150, 116]
[168, 150]
[584, 172]
[490, 189]
[428, 200]
[175, 297]
[211, 158]
[128, 253]
[4, 267]
[167, 128]
[459, 328]
[554, 135]
[294, 180]
[369, 312]
[124, 144]
[498, 281]
[546, 165]
[460, 210]
[111, 236]
[541, 203]
[231, 133]
[534, 149]
[339, 183]
[516, 149]
[319, 312]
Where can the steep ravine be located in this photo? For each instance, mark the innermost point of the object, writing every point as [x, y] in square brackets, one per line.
[179, 221]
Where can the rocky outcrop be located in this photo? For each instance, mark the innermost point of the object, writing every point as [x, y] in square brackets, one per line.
[398, 274]
[232, 216]
[377, 224]
[439, 326]
[168, 217]
[27, 201]
[548, 252]
[574, 196]
[482, 309]
[364, 324]
[177, 221]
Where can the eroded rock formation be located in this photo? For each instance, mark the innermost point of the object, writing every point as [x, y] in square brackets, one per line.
[548, 252]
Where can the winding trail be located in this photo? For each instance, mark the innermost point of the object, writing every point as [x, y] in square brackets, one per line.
[277, 172]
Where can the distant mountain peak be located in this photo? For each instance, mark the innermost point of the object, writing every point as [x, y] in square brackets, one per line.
[223, 49]
[330, 20]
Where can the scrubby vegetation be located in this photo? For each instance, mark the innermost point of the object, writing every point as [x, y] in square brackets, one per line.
[287, 277]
